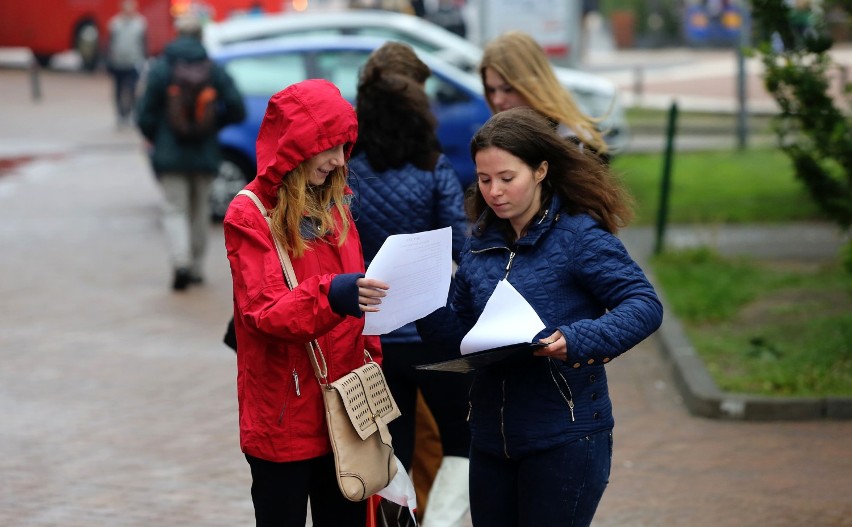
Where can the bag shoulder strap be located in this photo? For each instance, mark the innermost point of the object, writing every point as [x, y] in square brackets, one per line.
[256, 200]
[290, 276]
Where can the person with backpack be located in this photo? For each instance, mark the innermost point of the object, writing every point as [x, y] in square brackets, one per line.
[186, 101]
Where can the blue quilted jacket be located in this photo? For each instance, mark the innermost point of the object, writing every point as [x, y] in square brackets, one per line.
[580, 280]
[404, 201]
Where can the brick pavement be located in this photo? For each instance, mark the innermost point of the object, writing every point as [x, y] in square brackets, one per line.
[118, 397]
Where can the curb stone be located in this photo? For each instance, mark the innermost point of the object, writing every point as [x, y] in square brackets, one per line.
[700, 393]
[703, 397]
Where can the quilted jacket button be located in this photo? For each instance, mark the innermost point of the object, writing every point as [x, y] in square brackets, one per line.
[596, 415]
[592, 378]
[591, 361]
[595, 396]
[576, 364]
[606, 359]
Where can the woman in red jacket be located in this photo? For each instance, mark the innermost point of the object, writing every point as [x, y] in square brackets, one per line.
[302, 147]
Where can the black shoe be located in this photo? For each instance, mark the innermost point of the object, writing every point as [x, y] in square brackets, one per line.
[182, 279]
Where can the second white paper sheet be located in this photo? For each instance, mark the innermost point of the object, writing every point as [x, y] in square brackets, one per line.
[417, 267]
[507, 319]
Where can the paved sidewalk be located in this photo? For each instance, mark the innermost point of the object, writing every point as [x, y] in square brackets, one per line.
[119, 397]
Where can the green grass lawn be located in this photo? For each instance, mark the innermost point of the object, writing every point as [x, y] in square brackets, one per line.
[749, 186]
[760, 327]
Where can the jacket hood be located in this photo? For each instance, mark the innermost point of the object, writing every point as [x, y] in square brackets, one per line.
[301, 121]
[185, 48]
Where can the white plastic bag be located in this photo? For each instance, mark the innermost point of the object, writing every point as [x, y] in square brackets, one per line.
[401, 489]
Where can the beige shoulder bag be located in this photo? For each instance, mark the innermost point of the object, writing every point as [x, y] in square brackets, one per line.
[358, 408]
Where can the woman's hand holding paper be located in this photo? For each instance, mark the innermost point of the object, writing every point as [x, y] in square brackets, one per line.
[370, 294]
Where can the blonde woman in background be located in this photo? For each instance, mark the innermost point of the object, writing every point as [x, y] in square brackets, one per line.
[516, 72]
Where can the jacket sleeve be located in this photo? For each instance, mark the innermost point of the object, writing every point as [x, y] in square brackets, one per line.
[151, 105]
[448, 203]
[262, 297]
[634, 312]
[233, 109]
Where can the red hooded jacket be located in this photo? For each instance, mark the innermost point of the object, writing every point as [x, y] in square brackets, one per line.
[280, 404]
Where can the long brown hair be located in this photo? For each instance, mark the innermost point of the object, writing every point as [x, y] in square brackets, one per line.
[298, 199]
[522, 63]
[395, 122]
[584, 184]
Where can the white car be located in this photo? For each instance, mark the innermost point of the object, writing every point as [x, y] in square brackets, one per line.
[596, 95]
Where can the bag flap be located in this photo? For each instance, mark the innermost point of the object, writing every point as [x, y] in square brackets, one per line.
[367, 399]
[379, 397]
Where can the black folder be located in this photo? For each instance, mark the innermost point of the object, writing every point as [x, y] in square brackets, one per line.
[503, 355]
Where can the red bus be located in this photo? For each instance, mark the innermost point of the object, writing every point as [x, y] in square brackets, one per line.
[48, 27]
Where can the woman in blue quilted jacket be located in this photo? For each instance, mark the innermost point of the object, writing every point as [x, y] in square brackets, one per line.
[404, 184]
[545, 218]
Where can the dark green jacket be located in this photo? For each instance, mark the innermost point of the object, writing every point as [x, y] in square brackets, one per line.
[170, 155]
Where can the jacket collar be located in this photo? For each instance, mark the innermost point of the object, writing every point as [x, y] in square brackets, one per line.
[494, 235]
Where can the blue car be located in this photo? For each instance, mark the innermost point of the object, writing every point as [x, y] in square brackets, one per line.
[260, 69]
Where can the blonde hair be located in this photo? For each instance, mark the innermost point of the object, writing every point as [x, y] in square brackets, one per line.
[298, 199]
[524, 66]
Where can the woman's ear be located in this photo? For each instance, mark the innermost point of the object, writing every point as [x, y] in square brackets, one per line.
[540, 172]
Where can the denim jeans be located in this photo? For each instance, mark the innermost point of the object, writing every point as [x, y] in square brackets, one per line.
[124, 80]
[557, 487]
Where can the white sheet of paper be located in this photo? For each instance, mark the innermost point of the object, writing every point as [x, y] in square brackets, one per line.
[417, 267]
[507, 319]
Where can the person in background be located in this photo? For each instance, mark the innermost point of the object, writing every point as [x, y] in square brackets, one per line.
[403, 184]
[303, 144]
[448, 15]
[545, 217]
[418, 8]
[802, 20]
[515, 72]
[589, 20]
[399, 6]
[186, 166]
[126, 53]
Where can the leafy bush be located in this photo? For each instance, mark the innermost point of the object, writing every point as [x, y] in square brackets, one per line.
[812, 130]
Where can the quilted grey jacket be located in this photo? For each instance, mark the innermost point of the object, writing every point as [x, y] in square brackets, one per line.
[580, 280]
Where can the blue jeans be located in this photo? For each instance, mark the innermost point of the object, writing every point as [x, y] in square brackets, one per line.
[124, 81]
[557, 487]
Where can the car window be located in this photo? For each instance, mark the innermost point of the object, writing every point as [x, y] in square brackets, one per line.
[267, 74]
[392, 34]
[443, 92]
[342, 67]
